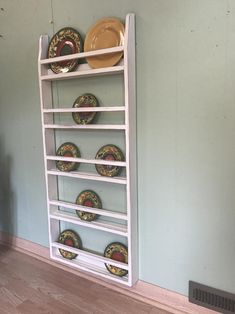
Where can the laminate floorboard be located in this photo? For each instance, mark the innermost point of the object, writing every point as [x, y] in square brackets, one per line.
[30, 286]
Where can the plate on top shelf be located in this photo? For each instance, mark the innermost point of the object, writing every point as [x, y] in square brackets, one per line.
[85, 100]
[118, 252]
[67, 150]
[105, 33]
[70, 238]
[111, 153]
[90, 199]
[65, 42]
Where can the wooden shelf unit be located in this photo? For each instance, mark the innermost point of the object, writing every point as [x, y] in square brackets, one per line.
[87, 260]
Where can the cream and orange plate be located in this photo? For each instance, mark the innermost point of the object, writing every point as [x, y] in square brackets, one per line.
[105, 33]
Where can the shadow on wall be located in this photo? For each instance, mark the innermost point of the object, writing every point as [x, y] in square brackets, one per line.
[7, 213]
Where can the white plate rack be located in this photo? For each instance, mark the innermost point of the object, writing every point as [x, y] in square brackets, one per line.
[87, 260]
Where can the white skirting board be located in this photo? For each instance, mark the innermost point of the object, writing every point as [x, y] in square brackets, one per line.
[163, 299]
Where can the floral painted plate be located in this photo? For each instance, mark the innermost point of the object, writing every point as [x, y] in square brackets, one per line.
[105, 33]
[112, 153]
[67, 150]
[69, 238]
[85, 100]
[90, 199]
[117, 252]
[65, 42]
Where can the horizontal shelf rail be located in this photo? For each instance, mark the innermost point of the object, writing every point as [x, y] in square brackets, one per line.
[102, 212]
[90, 255]
[98, 225]
[85, 109]
[117, 69]
[88, 176]
[82, 55]
[88, 161]
[87, 126]
[91, 268]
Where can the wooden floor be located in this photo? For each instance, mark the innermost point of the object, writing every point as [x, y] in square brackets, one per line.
[29, 286]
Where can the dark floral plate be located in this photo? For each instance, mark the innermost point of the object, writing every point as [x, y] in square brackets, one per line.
[67, 150]
[118, 252]
[112, 153]
[65, 42]
[85, 100]
[90, 199]
[69, 238]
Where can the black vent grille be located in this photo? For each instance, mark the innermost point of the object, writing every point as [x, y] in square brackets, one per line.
[211, 298]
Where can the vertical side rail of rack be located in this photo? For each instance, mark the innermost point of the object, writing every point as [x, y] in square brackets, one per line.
[131, 159]
[48, 137]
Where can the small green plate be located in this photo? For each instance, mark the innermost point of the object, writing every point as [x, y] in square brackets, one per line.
[90, 199]
[67, 150]
[70, 238]
[85, 100]
[118, 252]
[112, 153]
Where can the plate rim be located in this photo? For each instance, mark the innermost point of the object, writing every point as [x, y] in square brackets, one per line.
[73, 255]
[74, 165]
[80, 211]
[73, 62]
[92, 61]
[124, 271]
[101, 168]
[93, 114]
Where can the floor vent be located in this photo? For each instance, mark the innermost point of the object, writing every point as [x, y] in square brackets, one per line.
[214, 299]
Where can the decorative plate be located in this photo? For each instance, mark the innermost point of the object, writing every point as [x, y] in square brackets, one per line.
[70, 238]
[65, 42]
[90, 199]
[112, 153]
[85, 100]
[117, 252]
[105, 33]
[67, 150]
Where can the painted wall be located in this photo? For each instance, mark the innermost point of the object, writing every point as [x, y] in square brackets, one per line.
[186, 128]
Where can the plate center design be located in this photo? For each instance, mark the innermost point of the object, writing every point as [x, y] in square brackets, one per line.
[118, 256]
[69, 242]
[88, 203]
[66, 48]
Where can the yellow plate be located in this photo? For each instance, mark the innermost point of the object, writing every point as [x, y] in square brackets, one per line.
[105, 33]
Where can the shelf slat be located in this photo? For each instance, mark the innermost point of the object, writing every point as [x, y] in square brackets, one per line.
[98, 225]
[90, 255]
[82, 55]
[102, 212]
[85, 109]
[88, 176]
[117, 69]
[89, 161]
[87, 126]
[85, 266]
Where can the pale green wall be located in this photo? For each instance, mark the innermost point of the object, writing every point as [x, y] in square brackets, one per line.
[186, 128]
